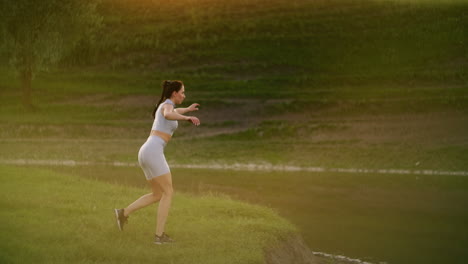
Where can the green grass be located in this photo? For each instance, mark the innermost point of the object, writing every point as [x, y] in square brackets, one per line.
[52, 217]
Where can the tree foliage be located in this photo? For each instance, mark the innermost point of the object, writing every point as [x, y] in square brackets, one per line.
[37, 34]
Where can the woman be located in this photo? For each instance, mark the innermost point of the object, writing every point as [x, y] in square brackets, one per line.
[152, 161]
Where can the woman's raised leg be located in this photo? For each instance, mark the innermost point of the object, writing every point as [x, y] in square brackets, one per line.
[146, 199]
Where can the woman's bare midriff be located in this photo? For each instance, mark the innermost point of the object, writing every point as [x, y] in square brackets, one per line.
[166, 137]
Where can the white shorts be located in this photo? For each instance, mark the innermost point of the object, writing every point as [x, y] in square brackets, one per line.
[151, 157]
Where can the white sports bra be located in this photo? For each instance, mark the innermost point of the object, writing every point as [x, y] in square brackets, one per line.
[161, 123]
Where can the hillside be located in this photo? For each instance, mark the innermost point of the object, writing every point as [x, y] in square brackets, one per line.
[286, 44]
[383, 81]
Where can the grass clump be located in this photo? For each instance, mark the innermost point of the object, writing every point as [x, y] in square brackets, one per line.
[57, 218]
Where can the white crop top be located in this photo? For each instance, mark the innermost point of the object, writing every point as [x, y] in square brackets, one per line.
[161, 123]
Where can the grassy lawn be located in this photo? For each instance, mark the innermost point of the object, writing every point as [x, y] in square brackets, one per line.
[50, 217]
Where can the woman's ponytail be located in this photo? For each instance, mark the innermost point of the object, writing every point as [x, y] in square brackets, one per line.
[168, 87]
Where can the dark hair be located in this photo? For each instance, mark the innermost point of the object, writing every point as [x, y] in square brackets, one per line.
[168, 87]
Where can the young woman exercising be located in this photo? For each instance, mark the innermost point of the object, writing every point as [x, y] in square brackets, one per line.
[152, 161]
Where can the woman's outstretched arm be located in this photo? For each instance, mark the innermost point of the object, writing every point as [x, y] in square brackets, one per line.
[191, 108]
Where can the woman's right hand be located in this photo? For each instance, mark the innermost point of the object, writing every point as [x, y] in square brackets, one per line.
[194, 120]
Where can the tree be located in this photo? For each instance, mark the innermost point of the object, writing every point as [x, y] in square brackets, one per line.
[37, 34]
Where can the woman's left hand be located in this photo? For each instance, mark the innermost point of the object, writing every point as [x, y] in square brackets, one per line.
[194, 120]
[193, 107]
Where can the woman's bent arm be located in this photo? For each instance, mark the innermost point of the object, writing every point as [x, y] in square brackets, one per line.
[170, 114]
